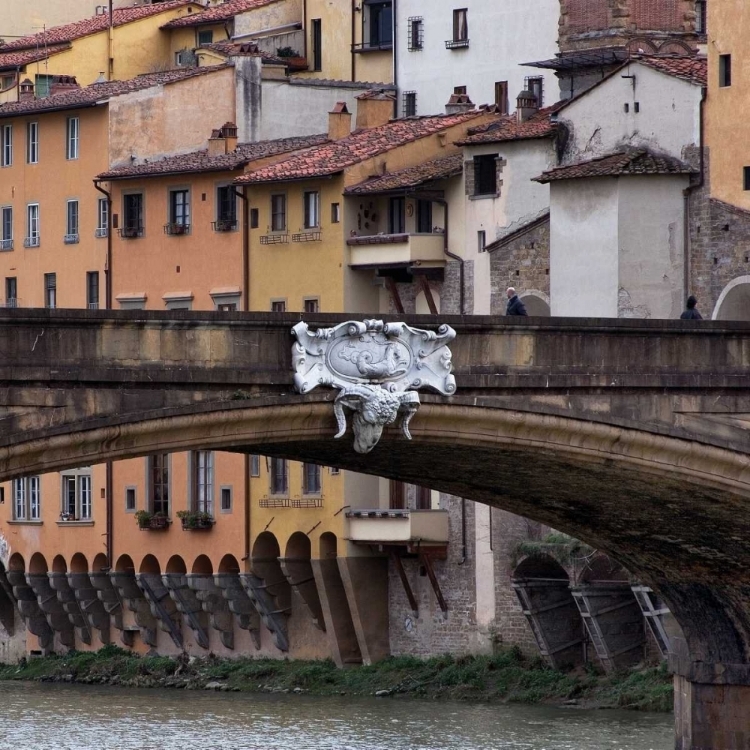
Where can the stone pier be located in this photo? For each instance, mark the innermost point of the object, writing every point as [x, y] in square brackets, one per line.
[210, 598]
[188, 604]
[240, 604]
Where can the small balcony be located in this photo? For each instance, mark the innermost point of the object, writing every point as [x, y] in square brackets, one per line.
[456, 43]
[131, 232]
[384, 250]
[101, 232]
[71, 239]
[6, 245]
[399, 527]
[176, 228]
[11, 302]
[32, 241]
[224, 225]
[383, 46]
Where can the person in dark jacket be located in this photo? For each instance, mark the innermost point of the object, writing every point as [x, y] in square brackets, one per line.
[515, 306]
[691, 313]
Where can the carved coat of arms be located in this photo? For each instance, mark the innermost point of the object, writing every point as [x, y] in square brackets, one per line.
[377, 367]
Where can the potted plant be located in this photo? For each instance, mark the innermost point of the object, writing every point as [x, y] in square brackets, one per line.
[195, 521]
[148, 520]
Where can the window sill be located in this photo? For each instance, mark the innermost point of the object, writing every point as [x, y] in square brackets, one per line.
[26, 523]
[484, 196]
[75, 523]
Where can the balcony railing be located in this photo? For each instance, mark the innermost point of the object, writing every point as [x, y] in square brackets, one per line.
[32, 241]
[71, 239]
[456, 43]
[224, 225]
[274, 239]
[372, 46]
[6, 244]
[274, 501]
[173, 228]
[129, 233]
[310, 236]
[309, 501]
[12, 302]
[380, 250]
[93, 306]
[101, 232]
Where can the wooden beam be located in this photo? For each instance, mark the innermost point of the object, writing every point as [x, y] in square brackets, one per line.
[425, 285]
[395, 297]
[396, 558]
[427, 562]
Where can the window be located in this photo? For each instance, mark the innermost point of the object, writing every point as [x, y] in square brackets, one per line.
[278, 212]
[460, 90]
[6, 228]
[409, 104]
[130, 500]
[424, 498]
[746, 177]
[397, 495]
[279, 477]
[11, 291]
[203, 482]
[158, 483]
[312, 209]
[50, 290]
[102, 218]
[501, 97]
[460, 29]
[415, 33]
[132, 208]
[396, 216]
[72, 138]
[76, 495]
[701, 17]
[310, 479]
[255, 465]
[535, 84]
[32, 225]
[335, 471]
[278, 305]
[424, 217]
[316, 42]
[311, 305]
[32, 142]
[226, 209]
[92, 290]
[378, 24]
[226, 499]
[42, 85]
[6, 157]
[179, 212]
[254, 218]
[485, 174]
[725, 70]
[71, 231]
[335, 213]
[27, 499]
[481, 241]
[6, 81]
[205, 37]
[227, 307]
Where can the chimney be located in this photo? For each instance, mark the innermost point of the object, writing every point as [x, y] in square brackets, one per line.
[229, 133]
[339, 122]
[458, 103]
[25, 90]
[374, 108]
[526, 106]
[216, 144]
[63, 83]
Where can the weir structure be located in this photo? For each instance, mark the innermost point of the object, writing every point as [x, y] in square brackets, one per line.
[629, 435]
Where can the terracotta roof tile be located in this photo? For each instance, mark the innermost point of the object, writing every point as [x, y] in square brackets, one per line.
[21, 58]
[687, 67]
[361, 145]
[96, 92]
[201, 161]
[507, 128]
[232, 49]
[92, 25]
[437, 169]
[636, 161]
[217, 13]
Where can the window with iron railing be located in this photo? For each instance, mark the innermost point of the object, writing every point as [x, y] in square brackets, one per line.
[11, 291]
[72, 140]
[102, 218]
[50, 290]
[71, 228]
[203, 482]
[179, 212]
[92, 290]
[6, 152]
[158, 484]
[132, 204]
[6, 228]
[76, 495]
[32, 142]
[226, 209]
[33, 237]
[415, 32]
[460, 29]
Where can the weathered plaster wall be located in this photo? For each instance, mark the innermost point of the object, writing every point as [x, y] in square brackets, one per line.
[268, 17]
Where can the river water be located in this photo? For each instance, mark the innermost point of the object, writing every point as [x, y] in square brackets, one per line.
[72, 717]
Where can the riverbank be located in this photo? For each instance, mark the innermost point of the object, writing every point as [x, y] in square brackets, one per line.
[506, 677]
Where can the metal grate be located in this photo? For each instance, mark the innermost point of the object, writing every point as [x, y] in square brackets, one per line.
[306, 237]
[415, 33]
[6, 244]
[307, 502]
[409, 104]
[71, 239]
[32, 241]
[101, 232]
[274, 239]
[456, 43]
[274, 502]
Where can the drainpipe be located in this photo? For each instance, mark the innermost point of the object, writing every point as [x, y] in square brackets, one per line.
[354, 36]
[395, 57]
[305, 29]
[111, 44]
[687, 193]
[245, 249]
[463, 532]
[453, 256]
[108, 269]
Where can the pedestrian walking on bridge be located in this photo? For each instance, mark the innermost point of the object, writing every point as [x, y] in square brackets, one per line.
[515, 306]
[691, 312]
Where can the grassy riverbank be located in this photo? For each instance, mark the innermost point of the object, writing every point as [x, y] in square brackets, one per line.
[507, 676]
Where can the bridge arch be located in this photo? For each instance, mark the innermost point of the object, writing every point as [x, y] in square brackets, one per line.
[59, 565]
[100, 563]
[38, 564]
[202, 566]
[79, 564]
[125, 564]
[229, 564]
[150, 564]
[175, 564]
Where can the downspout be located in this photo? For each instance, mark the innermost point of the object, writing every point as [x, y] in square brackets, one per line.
[395, 58]
[245, 249]
[108, 268]
[688, 192]
[453, 256]
[463, 532]
[354, 36]
[306, 28]
[111, 44]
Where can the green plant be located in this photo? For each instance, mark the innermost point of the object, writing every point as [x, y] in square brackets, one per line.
[195, 520]
[287, 52]
[143, 517]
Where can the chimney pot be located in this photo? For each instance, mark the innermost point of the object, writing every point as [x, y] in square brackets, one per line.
[374, 108]
[458, 103]
[526, 105]
[25, 90]
[339, 122]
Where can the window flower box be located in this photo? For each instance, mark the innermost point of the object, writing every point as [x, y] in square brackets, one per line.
[153, 521]
[195, 521]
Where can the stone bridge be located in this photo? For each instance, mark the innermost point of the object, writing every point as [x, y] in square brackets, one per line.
[630, 435]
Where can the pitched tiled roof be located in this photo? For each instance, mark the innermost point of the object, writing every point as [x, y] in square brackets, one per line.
[230, 49]
[201, 161]
[21, 58]
[92, 25]
[690, 68]
[363, 144]
[218, 13]
[507, 128]
[636, 161]
[97, 92]
[437, 169]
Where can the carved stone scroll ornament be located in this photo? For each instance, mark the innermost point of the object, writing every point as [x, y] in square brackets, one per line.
[377, 367]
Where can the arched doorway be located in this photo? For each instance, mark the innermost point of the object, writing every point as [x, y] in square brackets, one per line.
[734, 301]
[536, 304]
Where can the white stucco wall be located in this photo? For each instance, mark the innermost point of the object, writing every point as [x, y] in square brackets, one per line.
[651, 246]
[667, 122]
[519, 202]
[502, 35]
[584, 264]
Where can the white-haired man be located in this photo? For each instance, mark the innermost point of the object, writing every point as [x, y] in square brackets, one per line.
[515, 306]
